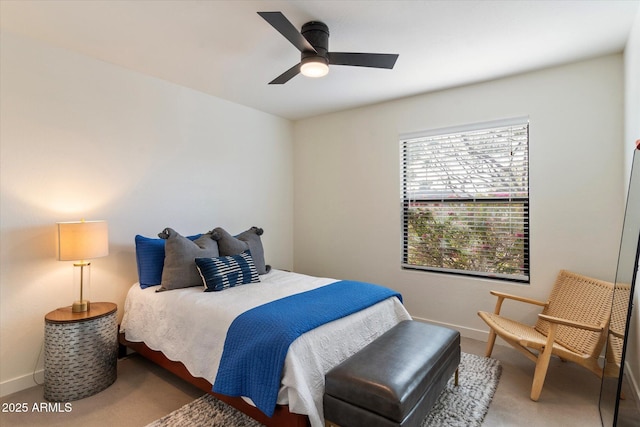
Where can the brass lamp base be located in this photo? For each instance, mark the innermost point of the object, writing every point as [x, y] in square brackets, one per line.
[80, 306]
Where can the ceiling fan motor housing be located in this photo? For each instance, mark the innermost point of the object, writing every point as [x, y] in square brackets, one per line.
[317, 34]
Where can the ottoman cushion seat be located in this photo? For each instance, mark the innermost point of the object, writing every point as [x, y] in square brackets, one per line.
[395, 380]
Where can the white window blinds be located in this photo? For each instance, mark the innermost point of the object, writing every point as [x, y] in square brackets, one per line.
[465, 198]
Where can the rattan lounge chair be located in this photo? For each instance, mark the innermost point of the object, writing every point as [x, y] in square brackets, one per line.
[572, 325]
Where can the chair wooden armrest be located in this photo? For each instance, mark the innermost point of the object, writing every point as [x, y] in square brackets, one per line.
[571, 323]
[519, 298]
[502, 296]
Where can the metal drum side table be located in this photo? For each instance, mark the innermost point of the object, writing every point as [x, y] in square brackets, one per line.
[80, 352]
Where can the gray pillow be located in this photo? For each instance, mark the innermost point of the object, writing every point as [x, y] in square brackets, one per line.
[250, 239]
[180, 270]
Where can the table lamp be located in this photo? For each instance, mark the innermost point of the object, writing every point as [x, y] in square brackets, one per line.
[79, 241]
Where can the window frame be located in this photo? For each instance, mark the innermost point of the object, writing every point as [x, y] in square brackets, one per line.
[524, 275]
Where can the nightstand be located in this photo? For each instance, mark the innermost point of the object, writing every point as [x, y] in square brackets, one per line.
[80, 352]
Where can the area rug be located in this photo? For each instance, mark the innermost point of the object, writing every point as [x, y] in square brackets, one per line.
[465, 405]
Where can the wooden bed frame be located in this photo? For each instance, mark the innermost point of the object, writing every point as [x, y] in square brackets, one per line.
[281, 417]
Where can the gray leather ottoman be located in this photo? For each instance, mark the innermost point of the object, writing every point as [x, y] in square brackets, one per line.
[393, 381]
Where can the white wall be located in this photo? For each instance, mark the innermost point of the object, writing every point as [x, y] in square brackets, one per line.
[347, 188]
[82, 138]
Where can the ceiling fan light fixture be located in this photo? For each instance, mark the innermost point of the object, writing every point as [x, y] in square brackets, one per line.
[313, 43]
[314, 66]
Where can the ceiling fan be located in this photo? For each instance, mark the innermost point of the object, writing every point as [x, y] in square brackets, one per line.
[313, 43]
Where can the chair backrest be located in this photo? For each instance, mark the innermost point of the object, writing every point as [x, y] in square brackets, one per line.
[581, 299]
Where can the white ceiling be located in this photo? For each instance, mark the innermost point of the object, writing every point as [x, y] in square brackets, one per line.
[225, 49]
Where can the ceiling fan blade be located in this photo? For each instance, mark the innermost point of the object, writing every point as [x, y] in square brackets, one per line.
[375, 60]
[286, 28]
[286, 76]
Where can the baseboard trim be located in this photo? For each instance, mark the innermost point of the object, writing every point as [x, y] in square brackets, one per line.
[635, 386]
[21, 383]
[475, 334]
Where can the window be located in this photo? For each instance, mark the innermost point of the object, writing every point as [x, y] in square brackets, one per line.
[465, 200]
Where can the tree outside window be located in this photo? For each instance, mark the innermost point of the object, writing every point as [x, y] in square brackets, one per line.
[466, 201]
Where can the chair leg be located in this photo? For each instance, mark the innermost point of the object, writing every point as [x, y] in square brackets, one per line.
[543, 364]
[490, 343]
[455, 380]
[540, 374]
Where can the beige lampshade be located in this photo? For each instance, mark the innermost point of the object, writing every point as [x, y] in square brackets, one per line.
[80, 240]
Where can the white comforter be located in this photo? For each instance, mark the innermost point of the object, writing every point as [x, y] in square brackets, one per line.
[190, 326]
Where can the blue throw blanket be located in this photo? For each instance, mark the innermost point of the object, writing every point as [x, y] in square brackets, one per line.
[258, 340]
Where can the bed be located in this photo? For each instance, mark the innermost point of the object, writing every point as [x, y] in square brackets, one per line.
[185, 330]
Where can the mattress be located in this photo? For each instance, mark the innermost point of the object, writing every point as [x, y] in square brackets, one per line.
[190, 326]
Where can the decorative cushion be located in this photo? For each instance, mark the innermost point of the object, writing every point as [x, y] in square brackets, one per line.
[180, 269]
[250, 239]
[226, 272]
[150, 259]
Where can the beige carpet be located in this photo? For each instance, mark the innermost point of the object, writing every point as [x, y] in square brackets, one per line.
[144, 393]
[464, 405]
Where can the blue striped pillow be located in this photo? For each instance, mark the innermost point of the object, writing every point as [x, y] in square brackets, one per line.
[226, 272]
